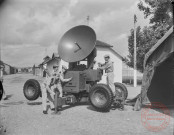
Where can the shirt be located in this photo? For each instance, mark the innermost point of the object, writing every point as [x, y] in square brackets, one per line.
[108, 66]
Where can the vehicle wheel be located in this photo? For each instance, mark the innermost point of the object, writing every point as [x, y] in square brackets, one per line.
[101, 97]
[121, 90]
[32, 89]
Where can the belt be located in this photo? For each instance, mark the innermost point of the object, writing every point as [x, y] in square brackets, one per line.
[109, 71]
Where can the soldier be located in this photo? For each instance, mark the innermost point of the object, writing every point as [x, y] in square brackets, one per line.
[58, 83]
[47, 93]
[109, 69]
[60, 78]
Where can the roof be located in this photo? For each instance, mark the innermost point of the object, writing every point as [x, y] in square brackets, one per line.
[152, 50]
[48, 59]
[103, 44]
[3, 64]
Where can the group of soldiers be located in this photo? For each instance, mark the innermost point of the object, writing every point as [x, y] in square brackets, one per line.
[52, 84]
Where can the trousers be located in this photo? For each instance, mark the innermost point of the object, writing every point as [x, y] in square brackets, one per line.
[47, 97]
[110, 81]
[59, 88]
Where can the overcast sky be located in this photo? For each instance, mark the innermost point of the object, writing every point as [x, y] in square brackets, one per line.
[31, 29]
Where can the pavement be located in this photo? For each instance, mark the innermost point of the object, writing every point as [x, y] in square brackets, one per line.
[22, 117]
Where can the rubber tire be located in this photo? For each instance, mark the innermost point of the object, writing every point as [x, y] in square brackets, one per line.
[109, 97]
[36, 87]
[122, 88]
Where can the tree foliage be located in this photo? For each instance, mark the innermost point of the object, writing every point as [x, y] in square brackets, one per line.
[160, 11]
[161, 20]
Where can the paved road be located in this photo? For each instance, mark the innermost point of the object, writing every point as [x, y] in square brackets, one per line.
[22, 117]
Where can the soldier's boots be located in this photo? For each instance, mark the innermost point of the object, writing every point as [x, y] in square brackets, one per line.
[45, 112]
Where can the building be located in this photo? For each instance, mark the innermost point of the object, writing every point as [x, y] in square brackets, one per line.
[38, 70]
[1, 68]
[128, 75]
[7, 69]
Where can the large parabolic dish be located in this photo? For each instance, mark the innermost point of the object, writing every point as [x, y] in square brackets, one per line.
[77, 43]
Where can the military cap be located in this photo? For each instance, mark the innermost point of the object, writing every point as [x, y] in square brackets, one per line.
[107, 56]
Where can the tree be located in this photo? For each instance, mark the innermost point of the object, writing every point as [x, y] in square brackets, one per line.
[145, 40]
[161, 11]
[161, 20]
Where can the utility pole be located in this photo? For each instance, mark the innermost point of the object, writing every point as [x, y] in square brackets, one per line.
[135, 53]
[87, 19]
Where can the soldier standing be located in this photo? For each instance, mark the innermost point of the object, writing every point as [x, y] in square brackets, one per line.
[109, 69]
[47, 93]
[58, 84]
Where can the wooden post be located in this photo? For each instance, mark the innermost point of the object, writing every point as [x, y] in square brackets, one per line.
[56, 101]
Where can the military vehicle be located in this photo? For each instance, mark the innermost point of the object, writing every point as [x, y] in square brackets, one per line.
[77, 46]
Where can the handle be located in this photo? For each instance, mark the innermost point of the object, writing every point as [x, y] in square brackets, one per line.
[79, 48]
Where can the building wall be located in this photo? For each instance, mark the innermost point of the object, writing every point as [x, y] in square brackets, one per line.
[38, 71]
[101, 51]
[128, 75]
[6, 69]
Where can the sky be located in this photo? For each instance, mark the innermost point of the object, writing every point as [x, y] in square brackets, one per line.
[31, 29]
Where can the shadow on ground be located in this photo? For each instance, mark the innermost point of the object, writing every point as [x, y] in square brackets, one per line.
[3, 106]
[14, 103]
[8, 97]
[74, 105]
[34, 103]
[164, 111]
[90, 107]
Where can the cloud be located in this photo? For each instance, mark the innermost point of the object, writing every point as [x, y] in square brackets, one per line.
[32, 23]
[42, 23]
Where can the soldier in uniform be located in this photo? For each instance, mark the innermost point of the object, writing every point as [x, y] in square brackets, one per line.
[47, 93]
[58, 80]
[109, 69]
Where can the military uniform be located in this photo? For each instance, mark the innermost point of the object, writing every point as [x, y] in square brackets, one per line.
[59, 81]
[57, 86]
[47, 93]
[109, 69]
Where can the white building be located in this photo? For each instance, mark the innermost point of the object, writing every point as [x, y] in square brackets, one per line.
[102, 49]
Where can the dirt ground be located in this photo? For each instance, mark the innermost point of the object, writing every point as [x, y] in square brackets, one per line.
[22, 117]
